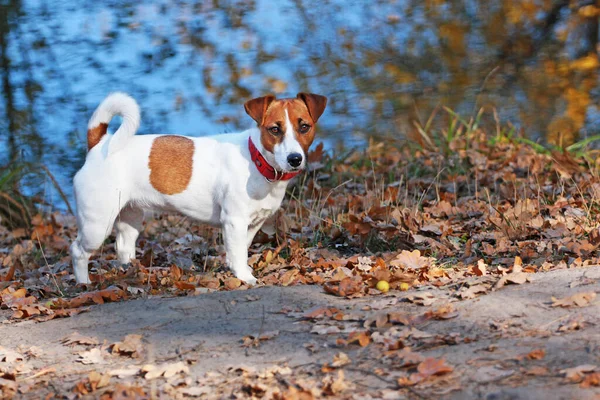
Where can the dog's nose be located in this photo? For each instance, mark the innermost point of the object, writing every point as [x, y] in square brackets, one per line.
[294, 159]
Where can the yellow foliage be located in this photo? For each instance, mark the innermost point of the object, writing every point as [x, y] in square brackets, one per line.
[399, 75]
[590, 11]
[455, 35]
[577, 103]
[520, 12]
[587, 63]
[562, 131]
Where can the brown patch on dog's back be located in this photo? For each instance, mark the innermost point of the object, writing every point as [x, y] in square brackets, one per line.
[94, 135]
[171, 163]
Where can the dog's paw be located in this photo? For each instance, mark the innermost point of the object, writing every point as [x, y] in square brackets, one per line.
[246, 276]
[83, 281]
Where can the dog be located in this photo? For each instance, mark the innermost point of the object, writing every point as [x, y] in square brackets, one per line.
[235, 181]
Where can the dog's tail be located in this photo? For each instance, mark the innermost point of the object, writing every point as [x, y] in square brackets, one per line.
[115, 104]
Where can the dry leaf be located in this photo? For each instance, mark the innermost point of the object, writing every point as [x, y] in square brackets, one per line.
[340, 359]
[77, 338]
[125, 372]
[411, 260]
[98, 380]
[10, 356]
[481, 268]
[422, 299]
[473, 291]
[576, 300]
[516, 278]
[334, 386]
[166, 370]
[362, 338]
[576, 374]
[232, 283]
[131, 346]
[93, 356]
[537, 354]
[432, 366]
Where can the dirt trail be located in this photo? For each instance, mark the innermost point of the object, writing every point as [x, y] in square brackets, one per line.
[508, 344]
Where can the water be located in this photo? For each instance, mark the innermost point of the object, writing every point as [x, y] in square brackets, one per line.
[383, 65]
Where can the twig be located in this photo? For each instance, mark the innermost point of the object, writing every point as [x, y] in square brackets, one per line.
[366, 371]
[58, 188]
[48, 266]
[40, 373]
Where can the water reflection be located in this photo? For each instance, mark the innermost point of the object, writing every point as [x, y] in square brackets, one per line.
[384, 64]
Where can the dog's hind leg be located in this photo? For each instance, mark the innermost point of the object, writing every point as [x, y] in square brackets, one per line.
[128, 226]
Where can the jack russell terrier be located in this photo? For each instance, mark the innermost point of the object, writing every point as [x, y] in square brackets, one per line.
[235, 181]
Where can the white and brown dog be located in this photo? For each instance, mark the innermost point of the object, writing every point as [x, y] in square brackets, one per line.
[235, 181]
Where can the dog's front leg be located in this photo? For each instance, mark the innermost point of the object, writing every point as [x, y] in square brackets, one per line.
[252, 231]
[235, 230]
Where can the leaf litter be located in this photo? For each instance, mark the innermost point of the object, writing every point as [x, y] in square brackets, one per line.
[422, 231]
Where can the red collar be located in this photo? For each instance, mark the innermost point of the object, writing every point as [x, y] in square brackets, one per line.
[263, 166]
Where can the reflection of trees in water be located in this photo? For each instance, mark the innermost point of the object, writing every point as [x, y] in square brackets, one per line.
[383, 64]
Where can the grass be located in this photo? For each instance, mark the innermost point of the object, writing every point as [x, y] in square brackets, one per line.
[19, 200]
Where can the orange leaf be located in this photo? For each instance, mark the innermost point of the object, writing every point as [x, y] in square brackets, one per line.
[322, 313]
[9, 275]
[536, 354]
[431, 366]
[181, 285]
[362, 338]
[175, 272]
[232, 283]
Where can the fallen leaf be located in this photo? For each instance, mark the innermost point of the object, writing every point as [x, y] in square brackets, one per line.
[125, 372]
[340, 359]
[516, 278]
[590, 380]
[98, 380]
[576, 300]
[166, 370]
[431, 366]
[481, 268]
[93, 356]
[473, 291]
[334, 386]
[422, 299]
[182, 285]
[411, 260]
[321, 312]
[537, 354]
[232, 283]
[8, 388]
[576, 374]
[10, 356]
[195, 391]
[360, 337]
[131, 346]
[347, 286]
[77, 338]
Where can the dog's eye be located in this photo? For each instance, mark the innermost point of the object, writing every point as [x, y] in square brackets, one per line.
[304, 128]
[275, 130]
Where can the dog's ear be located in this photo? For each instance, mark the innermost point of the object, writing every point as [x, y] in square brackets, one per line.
[256, 108]
[315, 103]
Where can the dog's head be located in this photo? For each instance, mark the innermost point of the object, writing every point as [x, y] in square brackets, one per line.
[287, 127]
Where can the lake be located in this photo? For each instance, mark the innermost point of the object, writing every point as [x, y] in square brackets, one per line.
[383, 64]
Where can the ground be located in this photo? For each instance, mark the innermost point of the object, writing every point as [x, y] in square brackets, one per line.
[489, 246]
[509, 344]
